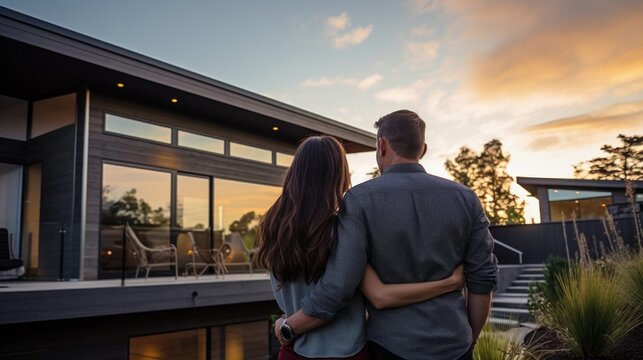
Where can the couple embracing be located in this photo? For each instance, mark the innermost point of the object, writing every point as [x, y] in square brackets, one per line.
[377, 271]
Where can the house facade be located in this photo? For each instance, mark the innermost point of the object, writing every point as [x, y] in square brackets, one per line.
[92, 137]
[588, 199]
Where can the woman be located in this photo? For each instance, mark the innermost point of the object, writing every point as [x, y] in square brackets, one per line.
[296, 236]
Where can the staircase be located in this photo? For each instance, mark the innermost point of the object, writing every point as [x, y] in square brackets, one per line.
[509, 309]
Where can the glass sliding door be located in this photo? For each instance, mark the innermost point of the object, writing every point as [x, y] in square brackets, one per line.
[238, 207]
[192, 214]
[31, 220]
[10, 202]
[140, 197]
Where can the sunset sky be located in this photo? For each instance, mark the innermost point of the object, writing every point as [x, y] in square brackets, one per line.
[553, 80]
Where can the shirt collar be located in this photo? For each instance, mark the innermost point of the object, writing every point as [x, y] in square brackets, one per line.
[405, 168]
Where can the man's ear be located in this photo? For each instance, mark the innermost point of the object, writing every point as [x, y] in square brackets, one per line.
[382, 146]
[423, 151]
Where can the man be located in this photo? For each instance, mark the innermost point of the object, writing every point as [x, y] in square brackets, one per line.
[411, 227]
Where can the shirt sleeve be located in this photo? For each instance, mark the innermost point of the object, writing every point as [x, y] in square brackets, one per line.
[345, 266]
[481, 265]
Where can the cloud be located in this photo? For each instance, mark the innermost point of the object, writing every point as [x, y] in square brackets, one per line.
[336, 23]
[419, 7]
[421, 52]
[361, 84]
[369, 81]
[580, 49]
[353, 37]
[422, 30]
[576, 130]
[402, 94]
[337, 29]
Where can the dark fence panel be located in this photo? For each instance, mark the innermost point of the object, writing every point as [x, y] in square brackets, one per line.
[539, 241]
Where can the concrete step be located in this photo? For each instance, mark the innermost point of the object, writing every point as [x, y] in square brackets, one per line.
[525, 282]
[533, 270]
[518, 289]
[515, 295]
[531, 276]
[504, 323]
[512, 302]
[533, 266]
[521, 315]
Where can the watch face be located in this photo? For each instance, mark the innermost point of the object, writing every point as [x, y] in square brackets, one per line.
[286, 332]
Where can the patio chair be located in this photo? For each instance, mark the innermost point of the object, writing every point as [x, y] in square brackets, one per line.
[214, 259]
[145, 255]
[10, 267]
[237, 245]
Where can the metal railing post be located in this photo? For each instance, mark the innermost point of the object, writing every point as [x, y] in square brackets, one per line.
[62, 251]
[124, 254]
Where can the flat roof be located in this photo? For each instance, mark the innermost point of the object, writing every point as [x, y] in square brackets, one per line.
[532, 184]
[36, 50]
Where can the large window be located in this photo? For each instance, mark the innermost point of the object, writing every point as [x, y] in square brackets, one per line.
[200, 142]
[139, 197]
[238, 206]
[247, 341]
[143, 198]
[183, 345]
[284, 159]
[585, 204]
[250, 153]
[138, 129]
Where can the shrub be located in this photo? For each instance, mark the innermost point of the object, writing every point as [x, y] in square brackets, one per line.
[501, 344]
[591, 314]
[631, 280]
[543, 295]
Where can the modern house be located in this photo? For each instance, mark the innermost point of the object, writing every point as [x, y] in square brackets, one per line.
[587, 198]
[93, 136]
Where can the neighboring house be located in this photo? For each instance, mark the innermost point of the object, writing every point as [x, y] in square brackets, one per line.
[559, 198]
[588, 199]
[93, 136]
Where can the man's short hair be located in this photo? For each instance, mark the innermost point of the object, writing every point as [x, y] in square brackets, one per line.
[404, 131]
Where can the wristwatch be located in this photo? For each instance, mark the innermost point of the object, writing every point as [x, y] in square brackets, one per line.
[287, 333]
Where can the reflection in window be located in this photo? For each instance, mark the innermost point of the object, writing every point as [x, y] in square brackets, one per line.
[200, 142]
[593, 208]
[284, 159]
[240, 341]
[559, 194]
[184, 345]
[192, 212]
[238, 206]
[250, 152]
[53, 113]
[138, 197]
[139, 129]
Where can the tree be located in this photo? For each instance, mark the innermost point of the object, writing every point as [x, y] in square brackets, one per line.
[374, 173]
[621, 163]
[486, 174]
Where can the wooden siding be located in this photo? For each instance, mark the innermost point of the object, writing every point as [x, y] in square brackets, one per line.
[121, 149]
[55, 150]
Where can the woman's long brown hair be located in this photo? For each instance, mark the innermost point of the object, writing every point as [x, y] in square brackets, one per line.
[297, 232]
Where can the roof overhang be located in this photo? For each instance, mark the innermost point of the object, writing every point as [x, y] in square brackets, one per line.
[532, 184]
[42, 59]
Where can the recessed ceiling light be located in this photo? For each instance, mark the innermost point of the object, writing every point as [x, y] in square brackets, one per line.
[275, 128]
[120, 85]
[174, 100]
